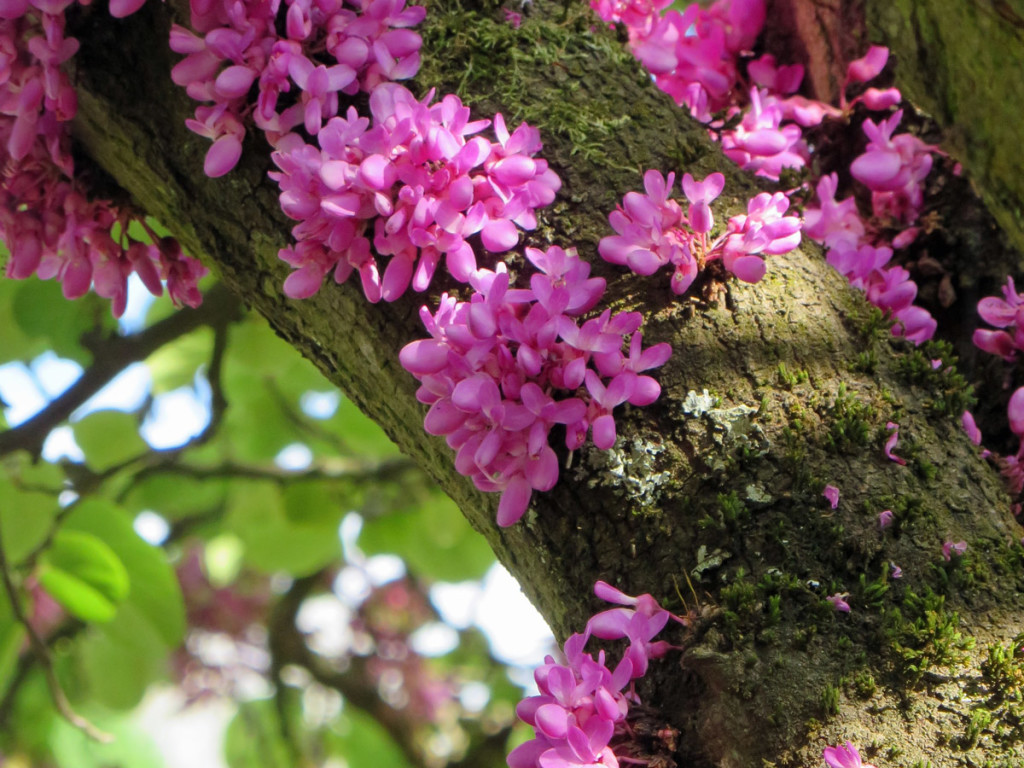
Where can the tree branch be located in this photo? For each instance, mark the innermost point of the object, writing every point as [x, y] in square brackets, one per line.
[111, 356]
[42, 654]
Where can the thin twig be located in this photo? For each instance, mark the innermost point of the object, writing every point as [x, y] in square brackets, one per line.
[113, 355]
[42, 652]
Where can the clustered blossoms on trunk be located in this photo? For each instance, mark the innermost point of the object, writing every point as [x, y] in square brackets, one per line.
[495, 364]
[48, 221]
[581, 716]
[1006, 314]
[419, 182]
[701, 57]
[386, 195]
[653, 231]
[328, 48]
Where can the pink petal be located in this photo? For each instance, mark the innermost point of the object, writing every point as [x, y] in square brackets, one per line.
[515, 500]
[499, 235]
[222, 156]
[121, 8]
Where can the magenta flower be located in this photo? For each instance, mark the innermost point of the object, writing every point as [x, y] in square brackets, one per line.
[890, 443]
[838, 601]
[885, 518]
[950, 548]
[844, 757]
[896, 572]
[973, 433]
[832, 494]
[701, 194]
[1006, 315]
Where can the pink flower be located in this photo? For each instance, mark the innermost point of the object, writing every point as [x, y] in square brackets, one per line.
[885, 519]
[950, 548]
[896, 572]
[973, 433]
[832, 494]
[838, 601]
[701, 194]
[890, 444]
[844, 757]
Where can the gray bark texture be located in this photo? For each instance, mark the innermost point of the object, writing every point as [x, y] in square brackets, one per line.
[711, 499]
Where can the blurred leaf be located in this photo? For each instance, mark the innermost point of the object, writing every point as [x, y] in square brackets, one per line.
[120, 659]
[175, 496]
[433, 538]
[253, 738]
[361, 435]
[42, 313]
[174, 365]
[222, 559]
[274, 543]
[311, 502]
[108, 438]
[155, 593]
[84, 575]
[25, 519]
[131, 747]
[363, 742]
[12, 636]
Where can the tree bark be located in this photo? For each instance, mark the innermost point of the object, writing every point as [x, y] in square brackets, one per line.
[713, 499]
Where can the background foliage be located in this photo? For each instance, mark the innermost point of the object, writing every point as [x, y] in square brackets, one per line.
[219, 520]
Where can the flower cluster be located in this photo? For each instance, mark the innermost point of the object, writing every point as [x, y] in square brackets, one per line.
[1005, 342]
[579, 717]
[494, 365]
[47, 220]
[693, 55]
[1007, 315]
[419, 182]
[699, 58]
[653, 231]
[328, 48]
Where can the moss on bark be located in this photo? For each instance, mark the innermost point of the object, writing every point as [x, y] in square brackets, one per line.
[712, 502]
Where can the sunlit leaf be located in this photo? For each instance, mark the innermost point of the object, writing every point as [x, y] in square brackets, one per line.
[84, 575]
[174, 365]
[108, 438]
[155, 593]
[25, 519]
[432, 537]
[120, 659]
[256, 514]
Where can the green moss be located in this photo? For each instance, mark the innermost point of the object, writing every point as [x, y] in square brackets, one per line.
[830, 700]
[863, 684]
[951, 392]
[850, 422]
[790, 379]
[927, 636]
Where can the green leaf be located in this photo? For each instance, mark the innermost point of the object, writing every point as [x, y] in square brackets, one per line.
[155, 592]
[131, 747]
[174, 365]
[175, 497]
[84, 575]
[120, 659]
[41, 312]
[108, 438]
[361, 435]
[433, 538]
[12, 636]
[253, 738]
[274, 543]
[25, 519]
[363, 742]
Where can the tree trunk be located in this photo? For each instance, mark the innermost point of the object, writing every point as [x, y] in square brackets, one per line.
[711, 496]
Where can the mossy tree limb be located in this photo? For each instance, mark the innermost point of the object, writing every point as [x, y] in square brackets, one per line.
[721, 491]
